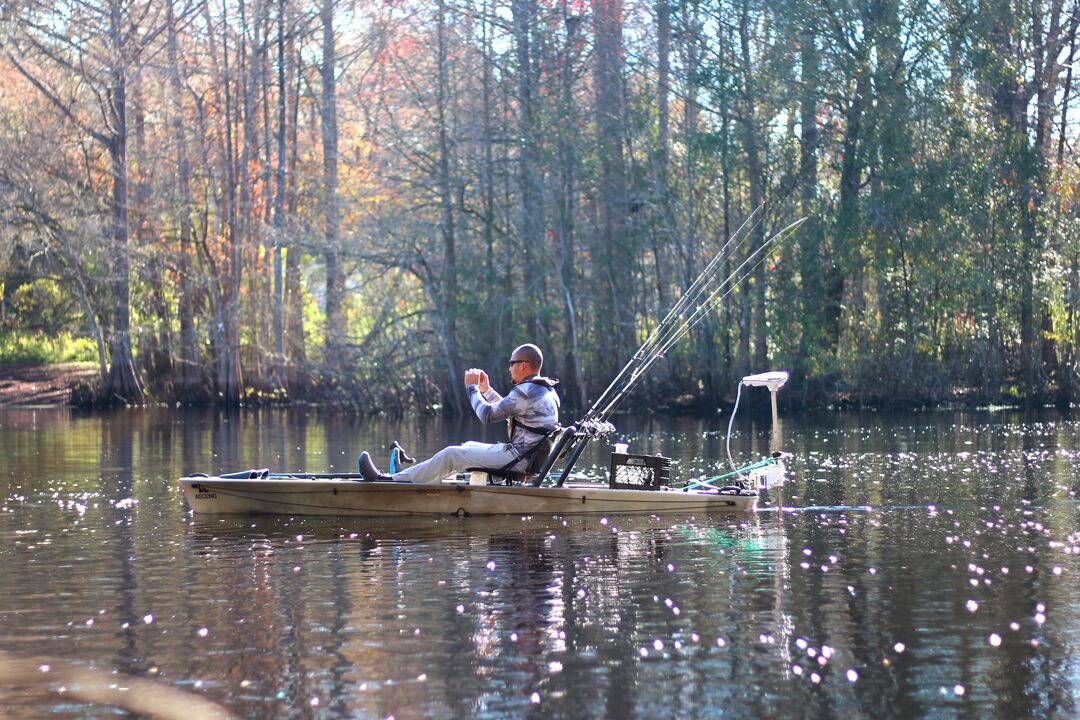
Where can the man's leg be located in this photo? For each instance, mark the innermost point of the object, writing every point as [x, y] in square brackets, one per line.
[456, 458]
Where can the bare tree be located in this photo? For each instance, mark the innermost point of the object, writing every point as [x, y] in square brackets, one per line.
[616, 251]
[188, 383]
[335, 285]
[99, 46]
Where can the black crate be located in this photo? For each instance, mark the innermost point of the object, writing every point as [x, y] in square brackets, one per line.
[639, 472]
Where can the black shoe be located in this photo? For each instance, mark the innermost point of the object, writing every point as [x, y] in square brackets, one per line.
[403, 457]
[367, 468]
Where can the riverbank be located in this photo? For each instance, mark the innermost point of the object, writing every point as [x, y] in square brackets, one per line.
[52, 384]
[23, 384]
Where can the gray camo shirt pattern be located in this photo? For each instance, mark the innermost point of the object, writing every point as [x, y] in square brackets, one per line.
[528, 403]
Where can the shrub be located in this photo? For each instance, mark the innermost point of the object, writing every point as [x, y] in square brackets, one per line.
[38, 349]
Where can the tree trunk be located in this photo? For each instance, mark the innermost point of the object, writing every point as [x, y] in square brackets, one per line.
[575, 390]
[249, 225]
[847, 213]
[453, 391]
[1066, 95]
[756, 177]
[187, 382]
[664, 234]
[810, 259]
[494, 292]
[530, 232]
[123, 381]
[95, 325]
[278, 378]
[230, 380]
[617, 254]
[295, 344]
[890, 191]
[1069, 379]
[1070, 383]
[335, 282]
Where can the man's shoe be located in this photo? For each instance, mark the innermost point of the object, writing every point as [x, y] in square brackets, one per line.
[402, 455]
[371, 473]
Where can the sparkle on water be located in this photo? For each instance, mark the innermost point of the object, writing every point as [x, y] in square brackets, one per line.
[920, 565]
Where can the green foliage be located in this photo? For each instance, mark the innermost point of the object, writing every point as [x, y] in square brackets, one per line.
[38, 349]
[44, 305]
[497, 203]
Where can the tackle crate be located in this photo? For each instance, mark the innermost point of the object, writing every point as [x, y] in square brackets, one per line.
[639, 472]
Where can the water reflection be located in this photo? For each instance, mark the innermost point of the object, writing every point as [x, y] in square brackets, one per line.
[921, 566]
[524, 608]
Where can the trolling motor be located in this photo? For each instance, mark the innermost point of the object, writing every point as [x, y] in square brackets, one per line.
[768, 473]
[703, 295]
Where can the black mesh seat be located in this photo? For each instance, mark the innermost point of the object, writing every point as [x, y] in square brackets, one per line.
[537, 461]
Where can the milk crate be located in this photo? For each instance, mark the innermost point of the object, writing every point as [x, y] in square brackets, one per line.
[639, 472]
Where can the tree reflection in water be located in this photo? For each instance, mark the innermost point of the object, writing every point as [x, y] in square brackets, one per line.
[906, 544]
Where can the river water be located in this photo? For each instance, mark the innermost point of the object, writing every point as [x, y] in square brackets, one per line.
[922, 565]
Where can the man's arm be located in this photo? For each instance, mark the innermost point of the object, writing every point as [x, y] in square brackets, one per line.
[478, 379]
[501, 409]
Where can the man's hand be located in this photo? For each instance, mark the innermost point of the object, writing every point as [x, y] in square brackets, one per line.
[473, 376]
[485, 383]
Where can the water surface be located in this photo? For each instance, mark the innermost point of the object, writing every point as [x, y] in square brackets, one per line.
[921, 565]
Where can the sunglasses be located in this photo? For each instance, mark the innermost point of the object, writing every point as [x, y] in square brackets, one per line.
[515, 362]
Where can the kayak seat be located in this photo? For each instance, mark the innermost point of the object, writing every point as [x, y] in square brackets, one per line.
[537, 459]
[497, 476]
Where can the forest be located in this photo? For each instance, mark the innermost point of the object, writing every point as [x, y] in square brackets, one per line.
[246, 201]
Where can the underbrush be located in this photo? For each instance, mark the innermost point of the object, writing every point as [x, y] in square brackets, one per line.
[36, 349]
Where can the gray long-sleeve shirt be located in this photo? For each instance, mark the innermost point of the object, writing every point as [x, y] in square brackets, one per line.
[528, 403]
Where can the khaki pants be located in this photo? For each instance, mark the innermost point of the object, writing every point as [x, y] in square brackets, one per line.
[456, 458]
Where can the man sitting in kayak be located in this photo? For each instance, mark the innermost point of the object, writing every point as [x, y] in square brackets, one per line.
[532, 407]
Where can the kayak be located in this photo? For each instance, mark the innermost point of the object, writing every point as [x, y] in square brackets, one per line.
[342, 494]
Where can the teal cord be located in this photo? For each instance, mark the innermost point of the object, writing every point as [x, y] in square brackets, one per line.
[738, 471]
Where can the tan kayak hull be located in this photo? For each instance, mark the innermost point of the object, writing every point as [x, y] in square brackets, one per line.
[211, 495]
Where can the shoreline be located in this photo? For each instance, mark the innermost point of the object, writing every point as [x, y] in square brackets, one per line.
[50, 385]
[23, 384]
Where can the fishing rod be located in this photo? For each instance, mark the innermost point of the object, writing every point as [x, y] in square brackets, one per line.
[720, 293]
[693, 292]
[668, 332]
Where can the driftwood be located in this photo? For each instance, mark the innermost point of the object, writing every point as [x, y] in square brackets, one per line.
[146, 697]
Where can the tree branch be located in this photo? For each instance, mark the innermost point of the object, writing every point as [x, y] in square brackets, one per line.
[55, 100]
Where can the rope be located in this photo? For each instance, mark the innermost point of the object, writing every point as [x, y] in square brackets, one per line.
[731, 422]
[737, 471]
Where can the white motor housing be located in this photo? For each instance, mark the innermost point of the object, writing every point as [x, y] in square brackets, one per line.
[774, 380]
[769, 476]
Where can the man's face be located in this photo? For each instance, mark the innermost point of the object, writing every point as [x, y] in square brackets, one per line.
[520, 368]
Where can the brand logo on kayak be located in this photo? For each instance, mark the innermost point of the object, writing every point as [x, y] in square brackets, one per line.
[202, 493]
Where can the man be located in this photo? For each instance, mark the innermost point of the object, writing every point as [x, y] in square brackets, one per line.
[532, 407]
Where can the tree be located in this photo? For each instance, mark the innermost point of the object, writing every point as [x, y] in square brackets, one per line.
[188, 383]
[99, 46]
[616, 251]
[335, 330]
